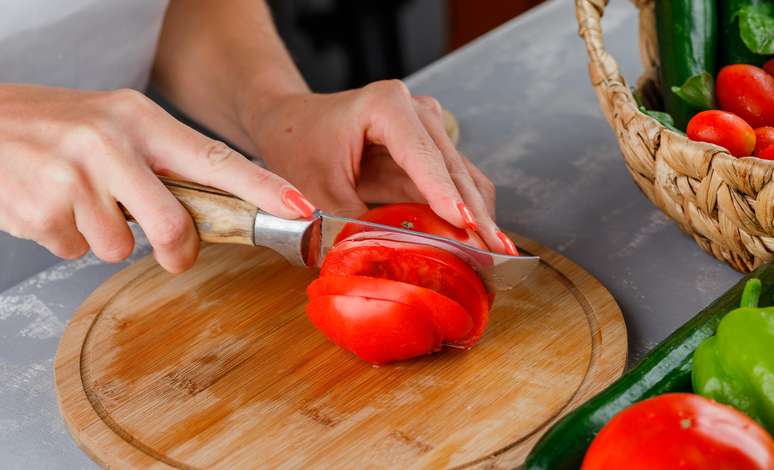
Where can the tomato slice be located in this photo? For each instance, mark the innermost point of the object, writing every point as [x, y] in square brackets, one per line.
[422, 266]
[680, 430]
[413, 216]
[449, 317]
[378, 331]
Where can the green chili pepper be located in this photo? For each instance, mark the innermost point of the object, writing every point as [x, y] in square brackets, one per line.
[736, 366]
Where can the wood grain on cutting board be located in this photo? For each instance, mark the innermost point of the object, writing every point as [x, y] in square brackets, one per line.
[218, 367]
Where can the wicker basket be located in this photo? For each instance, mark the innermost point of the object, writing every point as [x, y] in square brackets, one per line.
[726, 204]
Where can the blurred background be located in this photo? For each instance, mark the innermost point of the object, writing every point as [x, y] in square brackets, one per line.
[341, 44]
[338, 44]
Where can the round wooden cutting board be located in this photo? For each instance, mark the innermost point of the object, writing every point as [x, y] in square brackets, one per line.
[219, 368]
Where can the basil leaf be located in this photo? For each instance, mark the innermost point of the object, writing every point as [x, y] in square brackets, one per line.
[756, 27]
[664, 118]
[698, 90]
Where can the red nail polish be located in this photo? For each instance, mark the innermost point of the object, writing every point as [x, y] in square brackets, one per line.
[467, 216]
[508, 244]
[298, 203]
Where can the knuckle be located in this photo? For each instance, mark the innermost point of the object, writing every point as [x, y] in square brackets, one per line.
[66, 177]
[430, 104]
[127, 101]
[389, 90]
[89, 137]
[425, 149]
[489, 189]
[169, 231]
[42, 223]
[217, 154]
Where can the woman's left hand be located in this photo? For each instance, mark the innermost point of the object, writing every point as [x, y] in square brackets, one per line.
[377, 144]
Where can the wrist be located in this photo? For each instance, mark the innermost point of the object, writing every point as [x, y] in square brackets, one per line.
[260, 98]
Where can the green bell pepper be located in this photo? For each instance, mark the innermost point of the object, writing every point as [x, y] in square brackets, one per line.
[736, 366]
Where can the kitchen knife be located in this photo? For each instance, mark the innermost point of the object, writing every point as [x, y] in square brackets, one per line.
[220, 217]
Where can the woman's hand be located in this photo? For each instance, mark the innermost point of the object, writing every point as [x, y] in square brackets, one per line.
[377, 144]
[224, 64]
[67, 158]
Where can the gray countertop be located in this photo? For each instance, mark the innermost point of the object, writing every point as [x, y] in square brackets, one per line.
[529, 118]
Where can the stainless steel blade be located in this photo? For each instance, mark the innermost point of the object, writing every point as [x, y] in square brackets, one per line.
[499, 272]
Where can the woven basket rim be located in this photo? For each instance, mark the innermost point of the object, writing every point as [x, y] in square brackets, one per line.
[641, 4]
[725, 203]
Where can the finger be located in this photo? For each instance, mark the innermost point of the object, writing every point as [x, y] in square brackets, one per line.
[166, 223]
[484, 185]
[394, 123]
[58, 234]
[102, 223]
[429, 112]
[200, 159]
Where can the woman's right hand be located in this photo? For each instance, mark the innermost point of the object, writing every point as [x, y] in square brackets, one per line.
[67, 158]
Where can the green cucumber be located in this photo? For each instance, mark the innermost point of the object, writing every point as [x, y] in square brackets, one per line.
[667, 368]
[687, 44]
[732, 49]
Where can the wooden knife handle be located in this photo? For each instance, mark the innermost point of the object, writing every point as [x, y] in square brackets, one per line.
[219, 217]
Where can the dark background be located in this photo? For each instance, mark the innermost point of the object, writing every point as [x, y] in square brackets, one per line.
[341, 44]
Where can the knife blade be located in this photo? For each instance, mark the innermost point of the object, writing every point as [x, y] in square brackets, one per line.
[498, 271]
[220, 217]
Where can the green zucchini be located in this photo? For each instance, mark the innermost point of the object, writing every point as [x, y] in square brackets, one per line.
[732, 49]
[667, 368]
[687, 44]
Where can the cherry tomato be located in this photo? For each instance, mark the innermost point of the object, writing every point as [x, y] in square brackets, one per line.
[378, 331]
[417, 217]
[424, 266]
[764, 143]
[724, 129]
[769, 67]
[449, 317]
[748, 92]
[680, 430]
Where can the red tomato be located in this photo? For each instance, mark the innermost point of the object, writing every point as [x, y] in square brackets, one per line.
[423, 266]
[449, 317]
[417, 217]
[724, 129]
[680, 430]
[764, 142]
[748, 92]
[378, 331]
[769, 67]
[370, 290]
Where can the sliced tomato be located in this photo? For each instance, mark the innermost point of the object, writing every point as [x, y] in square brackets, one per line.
[680, 430]
[417, 217]
[378, 331]
[389, 300]
[422, 266]
[453, 321]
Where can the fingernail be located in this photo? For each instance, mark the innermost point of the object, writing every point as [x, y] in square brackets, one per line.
[467, 216]
[298, 203]
[508, 244]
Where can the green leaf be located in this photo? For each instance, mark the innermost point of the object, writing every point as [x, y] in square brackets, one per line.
[756, 27]
[664, 118]
[637, 97]
[698, 90]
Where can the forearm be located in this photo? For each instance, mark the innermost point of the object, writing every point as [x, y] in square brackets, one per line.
[220, 62]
